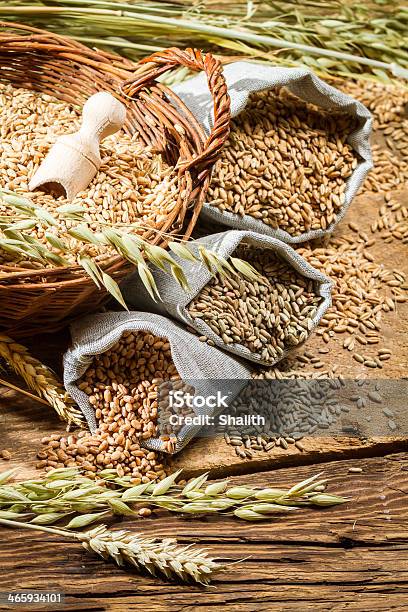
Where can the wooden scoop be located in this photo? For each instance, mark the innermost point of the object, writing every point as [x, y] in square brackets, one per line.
[73, 161]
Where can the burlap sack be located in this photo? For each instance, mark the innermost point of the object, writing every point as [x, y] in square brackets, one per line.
[207, 368]
[244, 78]
[174, 300]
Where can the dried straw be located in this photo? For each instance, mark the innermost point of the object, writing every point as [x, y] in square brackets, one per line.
[338, 38]
[40, 379]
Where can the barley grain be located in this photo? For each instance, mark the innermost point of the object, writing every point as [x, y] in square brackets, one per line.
[267, 316]
[360, 290]
[133, 184]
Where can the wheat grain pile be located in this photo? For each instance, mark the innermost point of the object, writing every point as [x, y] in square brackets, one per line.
[388, 104]
[269, 315]
[122, 386]
[133, 184]
[286, 163]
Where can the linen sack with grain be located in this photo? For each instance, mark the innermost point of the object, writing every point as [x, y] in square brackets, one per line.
[281, 173]
[206, 368]
[258, 321]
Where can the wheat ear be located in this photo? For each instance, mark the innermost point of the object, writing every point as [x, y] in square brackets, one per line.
[40, 379]
[156, 556]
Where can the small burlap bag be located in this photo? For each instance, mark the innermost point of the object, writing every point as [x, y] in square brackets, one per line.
[244, 78]
[208, 369]
[174, 301]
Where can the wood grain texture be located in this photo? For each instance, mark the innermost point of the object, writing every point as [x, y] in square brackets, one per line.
[351, 557]
[23, 423]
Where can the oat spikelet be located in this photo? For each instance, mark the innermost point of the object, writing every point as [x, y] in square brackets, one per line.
[40, 379]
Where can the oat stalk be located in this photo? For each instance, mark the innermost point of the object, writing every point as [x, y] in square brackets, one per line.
[17, 241]
[158, 557]
[64, 492]
[332, 37]
[41, 379]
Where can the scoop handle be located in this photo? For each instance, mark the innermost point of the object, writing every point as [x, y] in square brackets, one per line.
[102, 115]
[74, 159]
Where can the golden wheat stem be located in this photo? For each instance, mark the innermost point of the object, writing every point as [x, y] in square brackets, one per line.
[40, 379]
[9, 385]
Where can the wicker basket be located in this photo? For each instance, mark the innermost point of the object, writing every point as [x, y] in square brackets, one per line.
[45, 300]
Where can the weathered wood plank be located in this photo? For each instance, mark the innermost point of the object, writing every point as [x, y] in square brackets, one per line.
[23, 424]
[352, 557]
[217, 457]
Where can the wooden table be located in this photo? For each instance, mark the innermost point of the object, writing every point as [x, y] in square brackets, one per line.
[350, 557]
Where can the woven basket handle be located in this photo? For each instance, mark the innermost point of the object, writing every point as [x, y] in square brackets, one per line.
[195, 60]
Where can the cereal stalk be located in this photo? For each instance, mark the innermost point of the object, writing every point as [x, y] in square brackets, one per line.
[66, 238]
[9, 385]
[316, 35]
[39, 378]
[65, 492]
[156, 556]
